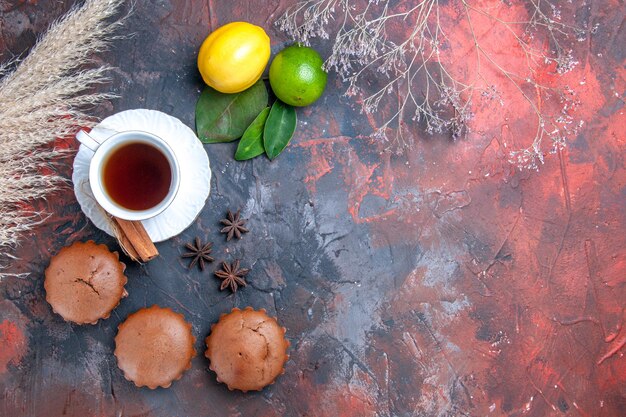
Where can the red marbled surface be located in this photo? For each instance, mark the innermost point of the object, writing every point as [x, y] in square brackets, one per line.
[441, 282]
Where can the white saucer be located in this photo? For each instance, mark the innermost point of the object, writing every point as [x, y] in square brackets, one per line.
[195, 173]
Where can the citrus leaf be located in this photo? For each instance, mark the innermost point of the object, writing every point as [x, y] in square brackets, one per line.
[251, 144]
[224, 117]
[279, 128]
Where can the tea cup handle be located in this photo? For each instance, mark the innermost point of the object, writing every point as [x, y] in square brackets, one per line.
[94, 139]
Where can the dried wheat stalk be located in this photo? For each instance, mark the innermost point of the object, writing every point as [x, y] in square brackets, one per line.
[46, 97]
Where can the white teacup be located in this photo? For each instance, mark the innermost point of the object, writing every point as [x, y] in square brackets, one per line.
[105, 142]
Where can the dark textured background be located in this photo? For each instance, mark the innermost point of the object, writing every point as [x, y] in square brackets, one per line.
[441, 282]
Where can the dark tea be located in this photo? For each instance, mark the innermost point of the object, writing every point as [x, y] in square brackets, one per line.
[137, 176]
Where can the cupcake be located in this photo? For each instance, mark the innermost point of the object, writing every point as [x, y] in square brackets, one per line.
[154, 346]
[247, 349]
[84, 282]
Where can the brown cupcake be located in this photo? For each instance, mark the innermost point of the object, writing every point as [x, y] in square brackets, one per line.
[154, 346]
[84, 282]
[247, 349]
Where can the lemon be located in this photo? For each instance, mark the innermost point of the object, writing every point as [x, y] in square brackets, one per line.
[233, 57]
[296, 75]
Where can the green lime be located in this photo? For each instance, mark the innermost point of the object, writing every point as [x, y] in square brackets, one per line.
[296, 75]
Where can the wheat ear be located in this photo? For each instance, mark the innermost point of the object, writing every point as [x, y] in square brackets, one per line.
[44, 98]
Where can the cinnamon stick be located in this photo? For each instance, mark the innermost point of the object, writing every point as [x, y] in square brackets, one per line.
[135, 240]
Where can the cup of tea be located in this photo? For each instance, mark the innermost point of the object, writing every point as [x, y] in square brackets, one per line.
[134, 175]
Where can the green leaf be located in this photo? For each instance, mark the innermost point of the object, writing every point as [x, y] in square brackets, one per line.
[279, 128]
[251, 143]
[224, 117]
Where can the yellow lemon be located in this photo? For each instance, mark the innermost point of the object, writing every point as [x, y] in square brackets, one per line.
[233, 57]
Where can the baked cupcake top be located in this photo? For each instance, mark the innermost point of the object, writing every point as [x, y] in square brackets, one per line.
[84, 282]
[154, 346]
[247, 349]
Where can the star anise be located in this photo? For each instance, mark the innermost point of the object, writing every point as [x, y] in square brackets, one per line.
[234, 225]
[200, 253]
[231, 275]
